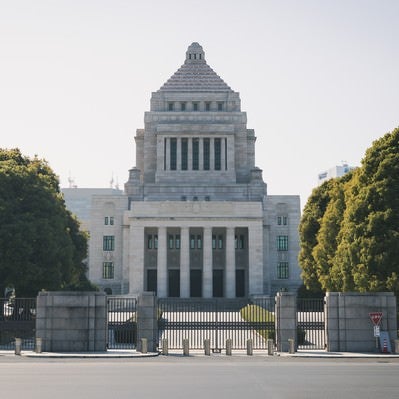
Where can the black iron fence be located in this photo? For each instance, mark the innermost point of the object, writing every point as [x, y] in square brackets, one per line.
[122, 323]
[217, 319]
[17, 320]
[310, 323]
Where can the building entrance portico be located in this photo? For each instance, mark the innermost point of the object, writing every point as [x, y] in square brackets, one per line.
[205, 257]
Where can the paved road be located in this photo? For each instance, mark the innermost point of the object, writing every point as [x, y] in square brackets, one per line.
[199, 377]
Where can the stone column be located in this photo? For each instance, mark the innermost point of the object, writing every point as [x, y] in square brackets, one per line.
[184, 263]
[190, 154]
[160, 154]
[230, 263]
[222, 154]
[230, 153]
[167, 153]
[255, 258]
[178, 154]
[162, 266]
[201, 154]
[207, 277]
[285, 319]
[136, 259]
[212, 154]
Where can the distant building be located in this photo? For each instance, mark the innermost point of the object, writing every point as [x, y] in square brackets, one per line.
[336, 171]
[195, 219]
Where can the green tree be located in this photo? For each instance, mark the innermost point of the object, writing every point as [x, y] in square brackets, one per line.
[350, 227]
[328, 236]
[308, 229]
[41, 246]
[368, 254]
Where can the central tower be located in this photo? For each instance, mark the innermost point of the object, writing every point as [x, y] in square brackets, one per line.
[195, 138]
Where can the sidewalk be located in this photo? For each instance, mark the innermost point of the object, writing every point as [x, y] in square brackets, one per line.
[110, 354]
[115, 354]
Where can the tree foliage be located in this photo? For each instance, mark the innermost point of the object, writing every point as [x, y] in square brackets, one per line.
[41, 246]
[354, 245]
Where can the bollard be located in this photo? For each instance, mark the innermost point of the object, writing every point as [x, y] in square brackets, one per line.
[186, 350]
[38, 345]
[291, 345]
[207, 347]
[229, 345]
[270, 347]
[396, 345]
[250, 347]
[18, 344]
[144, 345]
[165, 347]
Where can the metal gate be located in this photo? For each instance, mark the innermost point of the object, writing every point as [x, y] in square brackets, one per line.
[311, 324]
[17, 320]
[216, 319]
[122, 326]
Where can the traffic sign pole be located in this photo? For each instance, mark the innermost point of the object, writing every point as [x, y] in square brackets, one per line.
[375, 318]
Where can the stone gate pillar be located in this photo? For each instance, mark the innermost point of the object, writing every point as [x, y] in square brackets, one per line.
[285, 320]
[72, 321]
[147, 321]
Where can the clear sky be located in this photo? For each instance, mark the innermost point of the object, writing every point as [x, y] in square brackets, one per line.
[319, 79]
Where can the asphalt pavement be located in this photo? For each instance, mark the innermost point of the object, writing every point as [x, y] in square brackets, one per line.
[197, 377]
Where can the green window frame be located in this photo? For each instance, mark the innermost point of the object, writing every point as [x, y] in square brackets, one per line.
[282, 243]
[283, 270]
[108, 243]
[108, 270]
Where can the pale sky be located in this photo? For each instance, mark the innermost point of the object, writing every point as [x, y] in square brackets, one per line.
[319, 80]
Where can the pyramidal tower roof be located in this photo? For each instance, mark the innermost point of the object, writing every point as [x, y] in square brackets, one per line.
[195, 74]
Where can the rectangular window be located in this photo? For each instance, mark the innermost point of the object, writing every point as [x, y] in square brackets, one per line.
[195, 106]
[282, 243]
[183, 106]
[109, 220]
[171, 106]
[184, 154]
[173, 153]
[220, 106]
[155, 241]
[108, 243]
[207, 106]
[170, 241]
[108, 270]
[192, 241]
[282, 270]
[239, 241]
[195, 154]
[213, 242]
[207, 150]
[282, 220]
[220, 242]
[152, 241]
[218, 154]
[199, 241]
[177, 241]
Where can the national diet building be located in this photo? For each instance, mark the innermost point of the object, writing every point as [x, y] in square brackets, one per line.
[195, 219]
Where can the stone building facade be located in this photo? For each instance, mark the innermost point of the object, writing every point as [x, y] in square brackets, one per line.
[195, 219]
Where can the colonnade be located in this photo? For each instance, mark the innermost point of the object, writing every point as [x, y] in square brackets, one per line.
[254, 266]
